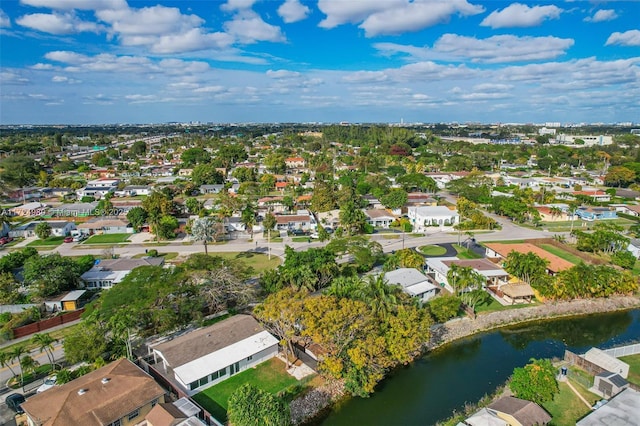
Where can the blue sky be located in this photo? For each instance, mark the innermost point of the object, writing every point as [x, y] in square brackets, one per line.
[119, 61]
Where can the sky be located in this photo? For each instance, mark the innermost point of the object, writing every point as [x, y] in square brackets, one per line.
[382, 61]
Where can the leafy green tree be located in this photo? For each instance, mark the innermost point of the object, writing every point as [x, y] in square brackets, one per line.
[45, 342]
[137, 216]
[43, 230]
[444, 307]
[17, 171]
[231, 153]
[275, 163]
[166, 227]
[6, 360]
[410, 258]
[51, 275]
[245, 174]
[206, 174]
[529, 267]
[193, 205]
[323, 198]
[269, 223]
[138, 148]
[417, 182]
[193, 156]
[28, 365]
[624, 259]
[86, 342]
[619, 176]
[535, 381]
[9, 293]
[382, 297]
[251, 406]
[394, 199]
[248, 218]
[352, 218]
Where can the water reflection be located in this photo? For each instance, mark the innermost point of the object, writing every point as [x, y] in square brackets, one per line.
[433, 387]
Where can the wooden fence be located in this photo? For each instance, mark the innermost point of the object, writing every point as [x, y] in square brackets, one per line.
[39, 326]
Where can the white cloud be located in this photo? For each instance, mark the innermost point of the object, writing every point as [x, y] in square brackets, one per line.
[282, 74]
[5, 22]
[495, 49]
[77, 4]
[210, 89]
[380, 17]
[40, 66]
[57, 24]
[521, 15]
[190, 41]
[10, 77]
[627, 38]
[155, 20]
[602, 15]
[365, 77]
[416, 16]
[248, 27]
[233, 5]
[293, 11]
[64, 79]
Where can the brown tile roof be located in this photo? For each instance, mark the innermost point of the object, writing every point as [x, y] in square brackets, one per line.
[164, 415]
[556, 264]
[204, 341]
[292, 218]
[128, 389]
[477, 264]
[376, 213]
[526, 412]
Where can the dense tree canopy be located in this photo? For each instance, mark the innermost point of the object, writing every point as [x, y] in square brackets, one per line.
[535, 381]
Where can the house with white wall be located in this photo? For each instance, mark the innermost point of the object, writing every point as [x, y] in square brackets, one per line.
[424, 217]
[204, 357]
[413, 282]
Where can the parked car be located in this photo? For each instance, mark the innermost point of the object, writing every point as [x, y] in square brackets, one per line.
[68, 239]
[298, 232]
[49, 382]
[315, 236]
[5, 240]
[14, 402]
[79, 238]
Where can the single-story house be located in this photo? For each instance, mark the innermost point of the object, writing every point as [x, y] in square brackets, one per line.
[438, 268]
[134, 190]
[119, 393]
[609, 384]
[74, 210]
[424, 217]
[518, 411]
[484, 417]
[596, 213]
[607, 362]
[330, 218]
[295, 221]
[30, 209]
[24, 194]
[502, 250]
[211, 189]
[105, 273]
[413, 282]
[379, 218]
[634, 247]
[204, 357]
[59, 228]
[420, 198]
[106, 225]
[621, 410]
[595, 195]
[57, 192]
[294, 162]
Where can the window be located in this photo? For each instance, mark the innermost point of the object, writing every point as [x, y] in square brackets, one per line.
[193, 385]
[132, 415]
[250, 357]
[116, 423]
[203, 381]
[223, 372]
[154, 402]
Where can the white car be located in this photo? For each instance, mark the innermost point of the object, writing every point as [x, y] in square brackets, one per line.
[314, 236]
[49, 382]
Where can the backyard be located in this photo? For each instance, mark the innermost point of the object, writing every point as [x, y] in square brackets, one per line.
[258, 261]
[566, 407]
[270, 376]
[634, 368]
[563, 254]
[108, 239]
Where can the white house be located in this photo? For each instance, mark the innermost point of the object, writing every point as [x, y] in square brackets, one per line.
[423, 217]
[634, 247]
[106, 273]
[30, 209]
[106, 225]
[134, 190]
[413, 282]
[379, 218]
[59, 228]
[438, 268]
[204, 357]
[98, 188]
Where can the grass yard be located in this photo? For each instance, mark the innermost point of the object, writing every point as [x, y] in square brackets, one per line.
[300, 239]
[270, 376]
[258, 261]
[108, 239]
[465, 253]
[432, 250]
[561, 253]
[566, 408]
[634, 368]
[49, 242]
[166, 256]
[636, 268]
[489, 304]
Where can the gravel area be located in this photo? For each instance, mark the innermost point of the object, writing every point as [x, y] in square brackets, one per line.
[316, 400]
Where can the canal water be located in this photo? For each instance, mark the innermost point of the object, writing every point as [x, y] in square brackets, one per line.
[430, 389]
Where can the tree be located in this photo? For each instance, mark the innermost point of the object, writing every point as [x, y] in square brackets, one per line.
[251, 406]
[248, 219]
[9, 293]
[166, 227]
[624, 259]
[193, 156]
[45, 342]
[206, 229]
[6, 360]
[394, 199]
[269, 223]
[619, 176]
[16, 353]
[138, 148]
[28, 365]
[51, 275]
[206, 174]
[535, 381]
[444, 307]
[43, 230]
[137, 216]
[410, 258]
[193, 205]
[352, 219]
[379, 295]
[529, 267]
[86, 342]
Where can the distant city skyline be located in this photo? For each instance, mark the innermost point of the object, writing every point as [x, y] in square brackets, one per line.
[240, 61]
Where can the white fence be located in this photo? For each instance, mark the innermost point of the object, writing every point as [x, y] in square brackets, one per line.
[623, 350]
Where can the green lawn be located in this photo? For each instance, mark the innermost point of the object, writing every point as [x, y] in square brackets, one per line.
[634, 368]
[49, 242]
[167, 256]
[300, 239]
[561, 253]
[108, 239]
[489, 304]
[464, 253]
[432, 250]
[258, 261]
[566, 408]
[270, 376]
[636, 268]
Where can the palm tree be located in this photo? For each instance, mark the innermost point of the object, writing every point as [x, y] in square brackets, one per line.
[205, 229]
[17, 352]
[45, 344]
[6, 359]
[28, 365]
[379, 295]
